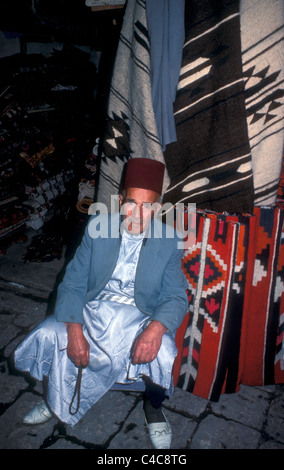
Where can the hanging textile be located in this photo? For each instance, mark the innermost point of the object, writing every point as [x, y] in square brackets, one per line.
[233, 332]
[262, 37]
[228, 109]
[165, 19]
[214, 267]
[210, 164]
[131, 127]
[263, 298]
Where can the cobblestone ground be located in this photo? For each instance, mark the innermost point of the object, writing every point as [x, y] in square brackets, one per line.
[253, 418]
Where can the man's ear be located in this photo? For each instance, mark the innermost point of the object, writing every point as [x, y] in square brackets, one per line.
[120, 199]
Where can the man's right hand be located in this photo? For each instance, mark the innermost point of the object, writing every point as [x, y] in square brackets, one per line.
[78, 348]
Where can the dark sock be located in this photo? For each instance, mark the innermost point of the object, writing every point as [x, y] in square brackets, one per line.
[154, 393]
[153, 400]
[153, 415]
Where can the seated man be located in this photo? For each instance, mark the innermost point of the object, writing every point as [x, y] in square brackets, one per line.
[121, 300]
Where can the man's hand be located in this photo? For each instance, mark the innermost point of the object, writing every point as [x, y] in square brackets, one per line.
[148, 343]
[78, 347]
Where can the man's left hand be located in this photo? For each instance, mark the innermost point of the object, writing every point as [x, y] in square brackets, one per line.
[148, 343]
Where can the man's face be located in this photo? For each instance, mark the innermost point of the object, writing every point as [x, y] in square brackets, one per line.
[137, 211]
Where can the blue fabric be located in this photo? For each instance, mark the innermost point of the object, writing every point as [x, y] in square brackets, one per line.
[160, 285]
[165, 20]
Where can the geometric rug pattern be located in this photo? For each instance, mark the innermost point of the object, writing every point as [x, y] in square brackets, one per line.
[233, 330]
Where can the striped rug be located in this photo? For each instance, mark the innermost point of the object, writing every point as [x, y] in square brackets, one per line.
[210, 164]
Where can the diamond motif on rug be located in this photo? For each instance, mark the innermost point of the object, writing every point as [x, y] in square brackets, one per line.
[214, 278]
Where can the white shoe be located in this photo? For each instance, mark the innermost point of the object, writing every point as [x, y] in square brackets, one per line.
[160, 435]
[159, 428]
[38, 415]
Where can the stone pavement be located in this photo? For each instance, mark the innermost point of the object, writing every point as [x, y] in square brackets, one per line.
[253, 418]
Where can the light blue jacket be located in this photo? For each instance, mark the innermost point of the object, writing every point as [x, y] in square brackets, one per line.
[160, 285]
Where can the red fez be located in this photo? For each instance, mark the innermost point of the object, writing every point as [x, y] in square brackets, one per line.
[144, 173]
